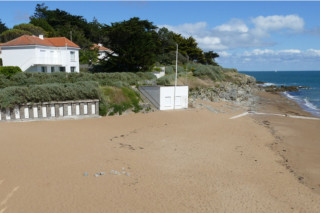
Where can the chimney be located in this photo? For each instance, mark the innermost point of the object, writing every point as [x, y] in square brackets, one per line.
[41, 37]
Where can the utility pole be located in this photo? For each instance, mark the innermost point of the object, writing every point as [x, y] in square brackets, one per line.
[175, 80]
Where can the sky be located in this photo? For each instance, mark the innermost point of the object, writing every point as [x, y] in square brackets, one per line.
[248, 36]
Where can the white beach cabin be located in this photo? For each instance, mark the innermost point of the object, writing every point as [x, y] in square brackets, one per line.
[39, 54]
[163, 97]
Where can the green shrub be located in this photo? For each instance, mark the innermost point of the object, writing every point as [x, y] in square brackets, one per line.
[157, 69]
[172, 69]
[227, 70]
[215, 73]
[166, 80]
[10, 70]
[11, 96]
[119, 100]
[103, 110]
[104, 79]
[169, 70]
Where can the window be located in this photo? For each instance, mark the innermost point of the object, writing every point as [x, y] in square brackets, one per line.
[62, 69]
[73, 69]
[72, 56]
[52, 69]
[43, 69]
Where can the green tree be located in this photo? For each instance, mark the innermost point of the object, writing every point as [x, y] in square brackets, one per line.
[136, 44]
[12, 34]
[95, 33]
[88, 56]
[210, 57]
[61, 23]
[34, 30]
[3, 27]
[188, 48]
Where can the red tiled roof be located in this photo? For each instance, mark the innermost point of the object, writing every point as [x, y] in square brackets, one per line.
[33, 40]
[101, 48]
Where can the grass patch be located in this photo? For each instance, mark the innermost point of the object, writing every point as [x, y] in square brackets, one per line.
[118, 100]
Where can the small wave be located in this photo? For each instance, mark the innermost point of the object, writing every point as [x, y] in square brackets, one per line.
[304, 103]
[309, 104]
[290, 96]
[266, 84]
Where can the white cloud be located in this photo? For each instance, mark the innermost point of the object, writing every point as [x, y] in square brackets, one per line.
[276, 22]
[237, 34]
[290, 51]
[235, 25]
[210, 42]
[188, 29]
[223, 54]
[267, 59]
[313, 52]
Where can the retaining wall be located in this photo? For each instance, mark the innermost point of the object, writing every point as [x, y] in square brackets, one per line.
[50, 110]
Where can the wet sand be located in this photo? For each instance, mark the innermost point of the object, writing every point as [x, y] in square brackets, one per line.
[194, 160]
[296, 140]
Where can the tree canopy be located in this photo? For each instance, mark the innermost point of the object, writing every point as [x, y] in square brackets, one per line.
[12, 34]
[137, 44]
[61, 23]
[3, 27]
[34, 30]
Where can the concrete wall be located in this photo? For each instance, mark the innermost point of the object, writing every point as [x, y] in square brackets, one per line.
[164, 96]
[51, 110]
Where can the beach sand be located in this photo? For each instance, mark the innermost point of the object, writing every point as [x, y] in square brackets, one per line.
[191, 160]
[297, 140]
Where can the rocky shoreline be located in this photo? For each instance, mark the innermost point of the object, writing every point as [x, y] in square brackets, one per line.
[241, 92]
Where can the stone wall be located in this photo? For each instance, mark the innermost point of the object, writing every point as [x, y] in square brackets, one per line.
[51, 110]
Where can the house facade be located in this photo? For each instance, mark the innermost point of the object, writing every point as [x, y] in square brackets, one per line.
[102, 51]
[39, 54]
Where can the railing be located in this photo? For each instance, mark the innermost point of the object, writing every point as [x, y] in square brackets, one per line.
[51, 110]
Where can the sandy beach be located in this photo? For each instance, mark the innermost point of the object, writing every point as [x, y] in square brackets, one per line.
[191, 160]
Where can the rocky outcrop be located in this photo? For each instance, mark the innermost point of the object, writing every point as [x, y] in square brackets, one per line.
[276, 89]
[240, 90]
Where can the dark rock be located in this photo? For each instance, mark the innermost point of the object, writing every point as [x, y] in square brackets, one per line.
[282, 88]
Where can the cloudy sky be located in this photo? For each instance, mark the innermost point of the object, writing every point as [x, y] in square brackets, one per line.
[247, 35]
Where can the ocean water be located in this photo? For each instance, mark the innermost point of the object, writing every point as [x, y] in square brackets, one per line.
[308, 99]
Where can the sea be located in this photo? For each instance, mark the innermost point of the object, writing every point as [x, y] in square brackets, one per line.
[308, 99]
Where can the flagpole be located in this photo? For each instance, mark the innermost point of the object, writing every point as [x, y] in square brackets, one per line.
[175, 80]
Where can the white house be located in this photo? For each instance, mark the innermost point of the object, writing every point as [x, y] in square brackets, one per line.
[166, 97]
[102, 51]
[39, 54]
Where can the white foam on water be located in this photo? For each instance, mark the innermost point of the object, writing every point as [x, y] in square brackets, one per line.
[305, 103]
[290, 96]
[266, 84]
[309, 104]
